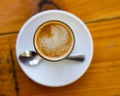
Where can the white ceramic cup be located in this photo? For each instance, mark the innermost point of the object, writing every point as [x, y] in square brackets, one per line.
[56, 48]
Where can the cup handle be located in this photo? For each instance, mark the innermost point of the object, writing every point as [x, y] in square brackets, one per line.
[49, 2]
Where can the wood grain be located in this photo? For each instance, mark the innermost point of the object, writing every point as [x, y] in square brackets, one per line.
[101, 79]
[91, 10]
[7, 75]
[14, 13]
[106, 36]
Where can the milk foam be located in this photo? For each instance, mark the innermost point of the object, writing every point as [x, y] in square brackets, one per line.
[58, 38]
[54, 40]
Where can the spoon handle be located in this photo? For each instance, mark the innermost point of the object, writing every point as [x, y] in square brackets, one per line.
[80, 57]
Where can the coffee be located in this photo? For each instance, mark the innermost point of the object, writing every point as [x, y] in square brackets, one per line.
[53, 40]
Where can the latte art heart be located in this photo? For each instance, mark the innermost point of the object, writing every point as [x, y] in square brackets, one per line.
[59, 37]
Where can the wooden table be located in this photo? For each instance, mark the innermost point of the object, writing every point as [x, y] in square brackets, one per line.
[102, 78]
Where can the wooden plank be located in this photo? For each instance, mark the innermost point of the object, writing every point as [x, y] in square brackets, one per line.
[106, 36]
[13, 13]
[101, 79]
[91, 10]
[7, 76]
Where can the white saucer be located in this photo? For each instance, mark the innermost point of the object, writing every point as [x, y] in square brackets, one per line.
[56, 74]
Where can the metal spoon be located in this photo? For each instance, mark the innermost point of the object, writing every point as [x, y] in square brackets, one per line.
[32, 58]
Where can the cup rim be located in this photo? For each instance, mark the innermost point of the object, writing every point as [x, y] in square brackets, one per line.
[62, 57]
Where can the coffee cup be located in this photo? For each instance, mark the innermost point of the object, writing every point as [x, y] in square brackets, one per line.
[54, 40]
